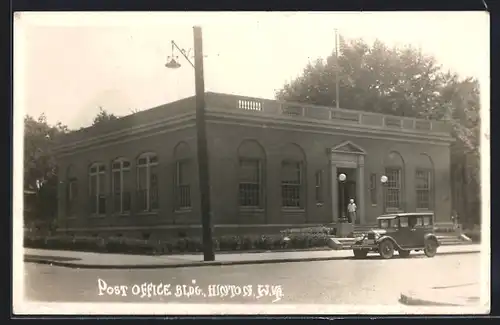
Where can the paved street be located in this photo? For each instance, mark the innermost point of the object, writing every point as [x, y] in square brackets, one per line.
[370, 281]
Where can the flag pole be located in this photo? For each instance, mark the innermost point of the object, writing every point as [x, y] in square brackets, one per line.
[336, 70]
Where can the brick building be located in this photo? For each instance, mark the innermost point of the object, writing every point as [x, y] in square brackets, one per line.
[272, 165]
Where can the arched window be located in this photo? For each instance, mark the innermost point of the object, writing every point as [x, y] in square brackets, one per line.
[121, 186]
[183, 179]
[147, 182]
[292, 177]
[424, 174]
[394, 170]
[97, 188]
[71, 192]
[251, 158]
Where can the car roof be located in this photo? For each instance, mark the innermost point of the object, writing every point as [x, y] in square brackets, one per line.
[409, 214]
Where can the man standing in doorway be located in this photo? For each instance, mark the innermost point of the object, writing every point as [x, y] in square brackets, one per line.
[351, 211]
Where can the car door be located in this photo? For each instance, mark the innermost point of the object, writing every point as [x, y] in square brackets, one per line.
[403, 233]
[418, 234]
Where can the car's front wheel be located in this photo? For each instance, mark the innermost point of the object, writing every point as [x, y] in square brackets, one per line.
[430, 249]
[386, 249]
[360, 253]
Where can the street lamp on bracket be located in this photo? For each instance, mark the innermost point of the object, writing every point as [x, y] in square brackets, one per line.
[173, 60]
[201, 136]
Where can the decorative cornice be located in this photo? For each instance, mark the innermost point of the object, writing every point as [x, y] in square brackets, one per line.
[129, 134]
[239, 117]
[314, 126]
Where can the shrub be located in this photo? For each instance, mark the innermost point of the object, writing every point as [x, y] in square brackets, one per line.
[195, 244]
[34, 241]
[90, 244]
[178, 245]
[309, 230]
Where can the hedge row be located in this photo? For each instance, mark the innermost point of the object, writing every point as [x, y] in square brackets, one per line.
[179, 245]
[310, 230]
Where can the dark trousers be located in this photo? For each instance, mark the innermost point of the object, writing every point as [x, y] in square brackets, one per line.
[351, 216]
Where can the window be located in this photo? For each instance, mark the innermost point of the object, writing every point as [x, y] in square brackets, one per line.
[121, 186]
[250, 189]
[373, 189]
[423, 188]
[419, 222]
[147, 182]
[393, 188]
[183, 187]
[72, 195]
[427, 221]
[319, 187]
[403, 222]
[97, 189]
[291, 182]
[388, 223]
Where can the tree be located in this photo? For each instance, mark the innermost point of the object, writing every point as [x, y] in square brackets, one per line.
[103, 116]
[461, 100]
[40, 167]
[376, 79]
[403, 82]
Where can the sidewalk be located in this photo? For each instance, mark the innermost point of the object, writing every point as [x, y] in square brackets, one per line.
[466, 295]
[122, 261]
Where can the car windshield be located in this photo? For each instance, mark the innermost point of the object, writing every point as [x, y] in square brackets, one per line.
[388, 223]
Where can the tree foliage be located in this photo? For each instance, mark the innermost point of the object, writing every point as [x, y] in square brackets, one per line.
[103, 116]
[398, 81]
[40, 167]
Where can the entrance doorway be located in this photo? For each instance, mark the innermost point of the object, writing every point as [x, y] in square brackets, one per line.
[347, 190]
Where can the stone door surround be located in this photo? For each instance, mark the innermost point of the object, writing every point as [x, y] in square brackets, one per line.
[348, 155]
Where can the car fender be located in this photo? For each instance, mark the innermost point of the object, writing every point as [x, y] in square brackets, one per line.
[432, 237]
[381, 239]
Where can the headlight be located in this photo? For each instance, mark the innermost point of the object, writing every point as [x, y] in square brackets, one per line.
[377, 235]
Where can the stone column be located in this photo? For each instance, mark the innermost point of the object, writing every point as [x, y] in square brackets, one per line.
[361, 190]
[334, 191]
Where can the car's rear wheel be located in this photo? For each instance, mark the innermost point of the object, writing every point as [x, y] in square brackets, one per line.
[360, 253]
[404, 253]
[430, 249]
[386, 249]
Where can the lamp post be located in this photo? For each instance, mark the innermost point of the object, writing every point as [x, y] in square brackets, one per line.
[342, 177]
[383, 180]
[201, 137]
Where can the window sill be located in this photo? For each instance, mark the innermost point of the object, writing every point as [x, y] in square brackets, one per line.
[124, 214]
[183, 211]
[71, 218]
[424, 210]
[147, 213]
[293, 210]
[97, 216]
[374, 205]
[319, 205]
[251, 210]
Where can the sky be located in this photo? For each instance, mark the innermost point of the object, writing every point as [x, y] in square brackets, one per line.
[67, 65]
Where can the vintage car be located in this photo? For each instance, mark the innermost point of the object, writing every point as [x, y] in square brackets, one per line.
[404, 232]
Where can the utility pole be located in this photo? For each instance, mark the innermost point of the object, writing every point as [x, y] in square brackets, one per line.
[337, 90]
[201, 136]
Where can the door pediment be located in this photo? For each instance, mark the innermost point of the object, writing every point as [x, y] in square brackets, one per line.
[348, 147]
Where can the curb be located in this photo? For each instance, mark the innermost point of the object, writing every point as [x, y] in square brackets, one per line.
[201, 263]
